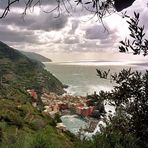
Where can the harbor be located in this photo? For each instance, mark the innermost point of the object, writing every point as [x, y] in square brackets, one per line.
[74, 111]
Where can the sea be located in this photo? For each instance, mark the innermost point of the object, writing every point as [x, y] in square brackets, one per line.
[81, 78]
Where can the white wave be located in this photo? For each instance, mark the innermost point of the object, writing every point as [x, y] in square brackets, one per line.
[85, 90]
[76, 74]
[71, 90]
[70, 116]
[97, 88]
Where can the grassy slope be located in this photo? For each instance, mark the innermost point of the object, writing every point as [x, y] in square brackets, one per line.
[18, 70]
[22, 125]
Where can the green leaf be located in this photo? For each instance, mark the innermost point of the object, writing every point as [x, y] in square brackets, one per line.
[122, 42]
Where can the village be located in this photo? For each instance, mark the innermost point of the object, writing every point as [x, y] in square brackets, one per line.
[65, 105]
[54, 103]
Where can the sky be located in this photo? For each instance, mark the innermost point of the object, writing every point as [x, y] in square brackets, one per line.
[72, 36]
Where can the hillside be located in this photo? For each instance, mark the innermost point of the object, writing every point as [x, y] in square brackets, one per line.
[36, 56]
[17, 69]
[20, 123]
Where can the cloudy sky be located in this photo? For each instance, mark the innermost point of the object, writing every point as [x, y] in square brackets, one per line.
[71, 36]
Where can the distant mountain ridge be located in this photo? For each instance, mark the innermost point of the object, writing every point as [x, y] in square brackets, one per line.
[36, 56]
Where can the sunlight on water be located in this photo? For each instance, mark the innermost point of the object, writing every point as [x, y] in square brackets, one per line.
[95, 63]
[81, 77]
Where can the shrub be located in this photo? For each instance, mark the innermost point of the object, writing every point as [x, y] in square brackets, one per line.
[37, 124]
[40, 142]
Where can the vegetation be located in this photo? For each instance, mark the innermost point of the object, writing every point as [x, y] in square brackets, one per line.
[97, 7]
[22, 125]
[16, 70]
[128, 127]
[98, 102]
[137, 44]
[25, 126]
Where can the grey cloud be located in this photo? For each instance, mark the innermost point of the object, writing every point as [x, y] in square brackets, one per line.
[22, 3]
[58, 41]
[45, 22]
[144, 18]
[50, 23]
[95, 32]
[95, 39]
[88, 44]
[93, 46]
[16, 36]
[49, 2]
[112, 38]
[75, 24]
[71, 40]
[18, 20]
[4, 4]
[106, 39]
[107, 47]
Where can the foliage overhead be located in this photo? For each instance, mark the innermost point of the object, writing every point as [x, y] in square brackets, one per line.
[137, 43]
[98, 7]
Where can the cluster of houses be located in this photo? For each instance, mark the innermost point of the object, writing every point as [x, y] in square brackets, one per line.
[54, 103]
[75, 104]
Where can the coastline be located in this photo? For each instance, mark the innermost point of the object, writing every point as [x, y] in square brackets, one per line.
[72, 110]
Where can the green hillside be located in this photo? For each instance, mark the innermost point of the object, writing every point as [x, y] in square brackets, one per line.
[22, 125]
[18, 70]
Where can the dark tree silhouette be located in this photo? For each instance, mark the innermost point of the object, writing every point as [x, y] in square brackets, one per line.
[137, 43]
[130, 99]
[122, 4]
[98, 7]
[101, 74]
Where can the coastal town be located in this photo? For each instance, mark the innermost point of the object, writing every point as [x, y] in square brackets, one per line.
[54, 103]
[66, 105]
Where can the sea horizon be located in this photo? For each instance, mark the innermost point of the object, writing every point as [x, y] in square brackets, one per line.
[81, 76]
[97, 62]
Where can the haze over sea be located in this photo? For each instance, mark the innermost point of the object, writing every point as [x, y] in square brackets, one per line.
[81, 76]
